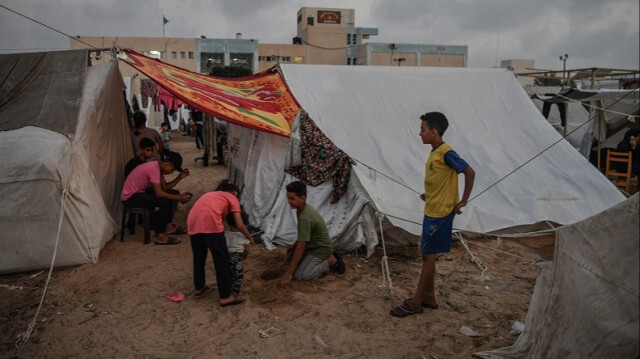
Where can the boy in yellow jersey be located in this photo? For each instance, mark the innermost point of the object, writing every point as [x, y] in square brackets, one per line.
[441, 205]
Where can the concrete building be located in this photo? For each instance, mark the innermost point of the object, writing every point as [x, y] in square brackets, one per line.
[325, 36]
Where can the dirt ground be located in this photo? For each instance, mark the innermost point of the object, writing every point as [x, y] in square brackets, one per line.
[117, 308]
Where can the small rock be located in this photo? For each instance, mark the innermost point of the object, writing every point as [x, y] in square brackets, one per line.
[319, 341]
[464, 330]
[517, 328]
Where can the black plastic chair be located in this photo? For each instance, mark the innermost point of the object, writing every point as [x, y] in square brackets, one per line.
[146, 215]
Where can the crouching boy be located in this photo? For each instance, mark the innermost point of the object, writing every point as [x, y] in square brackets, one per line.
[312, 255]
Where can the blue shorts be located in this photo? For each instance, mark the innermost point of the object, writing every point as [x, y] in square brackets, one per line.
[436, 234]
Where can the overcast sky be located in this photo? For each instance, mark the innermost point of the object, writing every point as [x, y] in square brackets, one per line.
[595, 33]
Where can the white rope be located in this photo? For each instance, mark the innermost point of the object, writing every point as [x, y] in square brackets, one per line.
[386, 274]
[24, 337]
[597, 108]
[503, 252]
[483, 268]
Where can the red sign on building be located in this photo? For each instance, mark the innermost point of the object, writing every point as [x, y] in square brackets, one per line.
[328, 17]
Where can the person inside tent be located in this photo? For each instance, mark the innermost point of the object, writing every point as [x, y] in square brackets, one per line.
[141, 131]
[630, 143]
[312, 255]
[146, 152]
[146, 187]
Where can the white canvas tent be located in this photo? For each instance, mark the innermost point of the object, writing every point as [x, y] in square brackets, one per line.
[65, 140]
[585, 302]
[372, 114]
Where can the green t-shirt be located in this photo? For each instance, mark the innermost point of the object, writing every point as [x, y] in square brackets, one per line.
[311, 229]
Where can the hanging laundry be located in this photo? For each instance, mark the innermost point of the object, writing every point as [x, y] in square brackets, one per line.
[148, 88]
[321, 160]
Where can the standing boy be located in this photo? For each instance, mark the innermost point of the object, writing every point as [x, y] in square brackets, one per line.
[312, 255]
[441, 205]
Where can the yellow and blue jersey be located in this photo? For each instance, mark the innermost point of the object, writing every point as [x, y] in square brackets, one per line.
[441, 181]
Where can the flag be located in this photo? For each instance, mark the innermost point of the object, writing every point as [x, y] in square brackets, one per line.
[164, 20]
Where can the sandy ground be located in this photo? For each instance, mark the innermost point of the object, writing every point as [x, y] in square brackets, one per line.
[117, 308]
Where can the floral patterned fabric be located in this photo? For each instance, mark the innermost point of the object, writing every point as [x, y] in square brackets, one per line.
[148, 88]
[321, 160]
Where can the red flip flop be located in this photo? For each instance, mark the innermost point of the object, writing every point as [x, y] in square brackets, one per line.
[175, 297]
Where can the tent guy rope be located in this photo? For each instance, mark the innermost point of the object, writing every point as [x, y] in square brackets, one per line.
[386, 274]
[24, 337]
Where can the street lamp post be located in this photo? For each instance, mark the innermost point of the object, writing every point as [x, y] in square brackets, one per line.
[563, 58]
[400, 60]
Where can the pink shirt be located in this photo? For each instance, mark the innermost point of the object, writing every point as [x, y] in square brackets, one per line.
[207, 213]
[141, 178]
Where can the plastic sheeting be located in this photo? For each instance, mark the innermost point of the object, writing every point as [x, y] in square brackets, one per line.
[257, 164]
[35, 85]
[585, 303]
[41, 163]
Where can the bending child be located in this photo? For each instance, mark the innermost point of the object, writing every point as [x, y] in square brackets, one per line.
[207, 232]
[441, 205]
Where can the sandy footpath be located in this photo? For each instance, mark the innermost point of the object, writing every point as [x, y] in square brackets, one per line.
[117, 307]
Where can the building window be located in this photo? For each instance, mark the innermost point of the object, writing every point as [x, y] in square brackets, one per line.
[174, 55]
[210, 60]
[310, 21]
[183, 55]
[298, 59]
[154, 54]
[299, 18]
[243, 60]
[286, 58]
[191, 55]
[355, 39]
[352, 61]
[348, 39]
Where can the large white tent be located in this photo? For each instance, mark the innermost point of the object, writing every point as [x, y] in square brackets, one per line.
[585, 303]
[64, 138]
[372, 114]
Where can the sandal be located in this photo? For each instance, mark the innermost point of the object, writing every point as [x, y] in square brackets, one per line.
[179, 230]
[404, 310]
[199, 293]
[430, 306]
[339, 266]
[171, 241]
[235, 301]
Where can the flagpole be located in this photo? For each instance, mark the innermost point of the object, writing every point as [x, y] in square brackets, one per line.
[166, 54]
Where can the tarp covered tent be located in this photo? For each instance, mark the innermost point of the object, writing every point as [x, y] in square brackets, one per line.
[372, 114]
[585, 302]
[65, 140]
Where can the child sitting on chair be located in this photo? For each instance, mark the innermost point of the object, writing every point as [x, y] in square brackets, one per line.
[238, 247]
